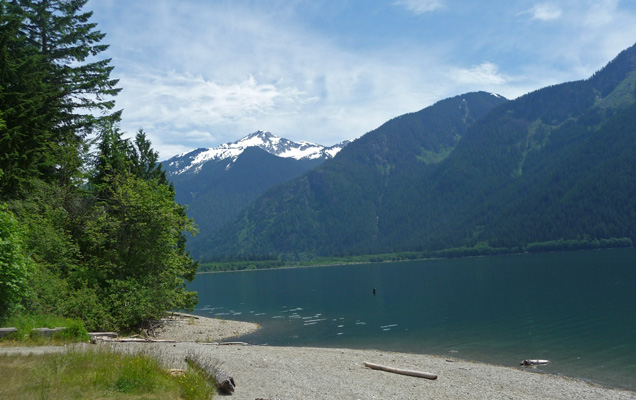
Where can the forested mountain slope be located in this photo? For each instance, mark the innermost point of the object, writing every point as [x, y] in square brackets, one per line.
[216, 194]
[217, 183]
[335, 208]
[558, 163]
[554, 164]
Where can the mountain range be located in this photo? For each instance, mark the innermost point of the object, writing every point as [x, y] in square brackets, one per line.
[473, 170]
[216, 183]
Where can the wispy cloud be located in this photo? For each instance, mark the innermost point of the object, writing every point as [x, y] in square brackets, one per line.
[197, 74]
[237, 75]
[420, 6]
[545, 12]
[484, 74]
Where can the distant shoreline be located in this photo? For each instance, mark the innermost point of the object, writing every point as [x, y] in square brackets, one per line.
[400, 257]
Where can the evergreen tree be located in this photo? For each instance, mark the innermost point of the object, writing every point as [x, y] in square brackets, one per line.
[135, 244]
[27, 106]
[61, 34]
[145, 160]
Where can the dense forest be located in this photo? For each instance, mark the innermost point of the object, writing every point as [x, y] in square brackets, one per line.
[215, 194]
[89, 228]
[554, 169]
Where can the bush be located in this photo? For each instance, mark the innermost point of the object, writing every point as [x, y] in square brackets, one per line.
[13, 263]
[74, 332]
[98, 374]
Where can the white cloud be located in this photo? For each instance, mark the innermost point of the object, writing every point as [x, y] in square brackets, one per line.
[420, 6]
[238, 75]
[483, 74]
[545, 12]
[197, 74]
[602, 13]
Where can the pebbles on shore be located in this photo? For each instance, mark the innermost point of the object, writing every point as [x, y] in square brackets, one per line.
[288, 373]
[192, 328]
[294, 373]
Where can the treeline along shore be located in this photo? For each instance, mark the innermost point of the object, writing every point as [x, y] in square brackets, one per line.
[221, 264]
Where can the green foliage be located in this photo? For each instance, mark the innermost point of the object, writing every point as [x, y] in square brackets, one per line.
[106, 238]
[139, 261]
[25, 323]
[239, 265]
[201, 373]
[14, 270]
[99, 374]
[50, 90]
[578, 244]
[26, 107]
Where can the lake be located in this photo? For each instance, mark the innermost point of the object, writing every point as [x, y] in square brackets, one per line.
[576, 309]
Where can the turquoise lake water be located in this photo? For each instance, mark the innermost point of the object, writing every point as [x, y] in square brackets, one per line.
[576, 309]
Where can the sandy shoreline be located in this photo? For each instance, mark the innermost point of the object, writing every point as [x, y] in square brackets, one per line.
[292, 373]
[325, 373]
[288, 373]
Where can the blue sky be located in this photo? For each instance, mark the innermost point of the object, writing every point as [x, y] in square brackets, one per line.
[200, 73]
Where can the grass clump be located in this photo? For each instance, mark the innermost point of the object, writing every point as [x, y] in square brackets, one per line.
[103, 374]
[74, 332]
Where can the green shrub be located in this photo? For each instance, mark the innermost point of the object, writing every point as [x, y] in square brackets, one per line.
[13, 263]
[74, 332]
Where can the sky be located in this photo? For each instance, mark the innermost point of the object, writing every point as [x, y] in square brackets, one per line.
[199, 73]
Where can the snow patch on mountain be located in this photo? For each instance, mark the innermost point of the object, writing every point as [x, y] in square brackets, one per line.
[194, 160]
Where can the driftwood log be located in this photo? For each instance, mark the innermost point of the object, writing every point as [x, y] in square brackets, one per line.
[408, 372]
[224, 382]
[233, 344]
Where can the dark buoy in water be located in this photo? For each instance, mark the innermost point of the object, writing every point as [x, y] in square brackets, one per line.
[374, 291]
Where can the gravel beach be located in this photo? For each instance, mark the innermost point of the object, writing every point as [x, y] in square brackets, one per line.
[192, 328]
[291, 373]
[286, 373]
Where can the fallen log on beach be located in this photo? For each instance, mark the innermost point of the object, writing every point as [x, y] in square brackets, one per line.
[223, 381]
[408, 372]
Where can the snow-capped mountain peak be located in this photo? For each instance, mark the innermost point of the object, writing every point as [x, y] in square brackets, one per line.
[193, 161]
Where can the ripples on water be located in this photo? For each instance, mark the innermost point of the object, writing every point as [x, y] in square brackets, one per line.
[576, 309]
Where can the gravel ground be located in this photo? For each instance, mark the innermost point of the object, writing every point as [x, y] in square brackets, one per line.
[291, 373]
[191, 328]
[288, 373]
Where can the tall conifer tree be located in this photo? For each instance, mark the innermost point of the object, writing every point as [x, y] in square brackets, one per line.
[27, 106]
[69, 46]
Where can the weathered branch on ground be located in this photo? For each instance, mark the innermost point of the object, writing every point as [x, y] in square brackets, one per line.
[178, 314]
[224, 382]
[408, 372]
